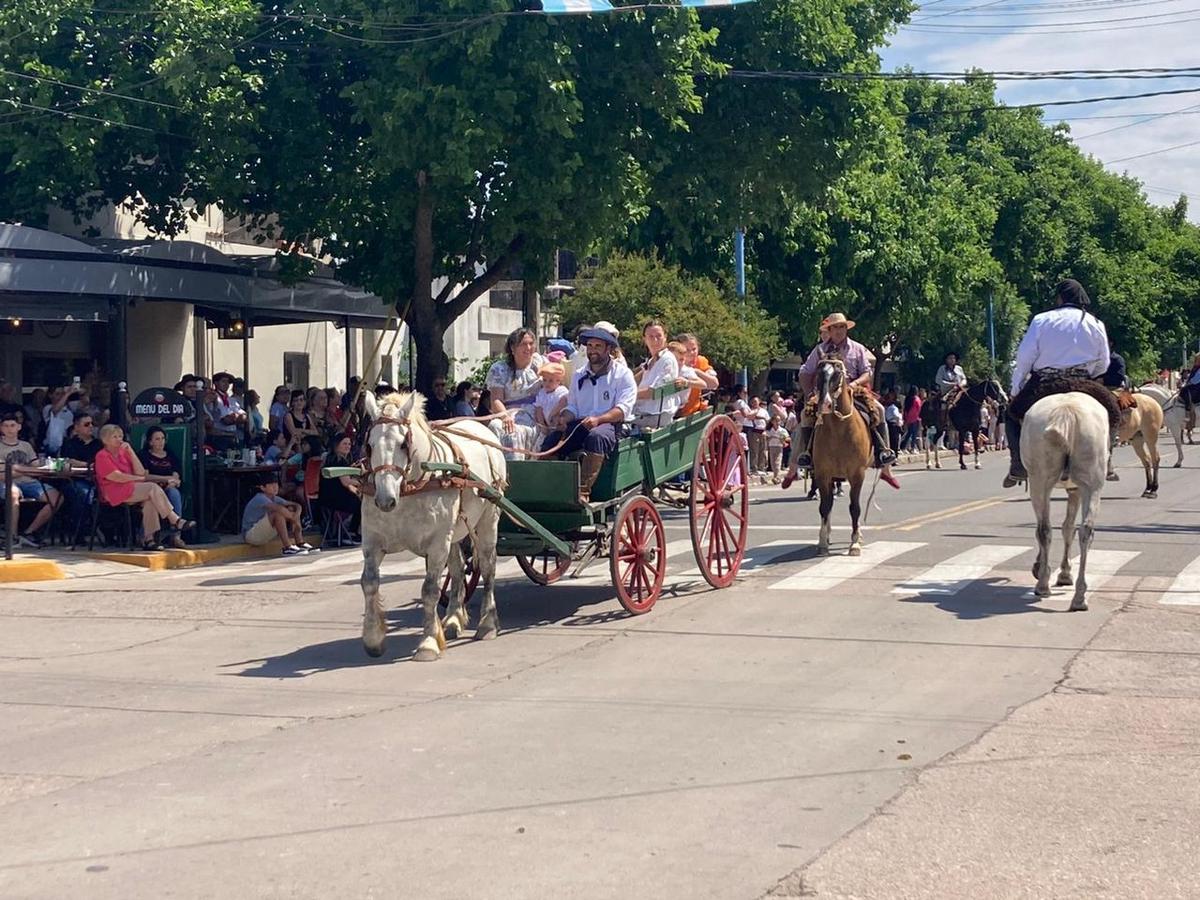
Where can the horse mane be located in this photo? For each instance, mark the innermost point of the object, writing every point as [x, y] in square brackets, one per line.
[397, 399]
[1125, 400]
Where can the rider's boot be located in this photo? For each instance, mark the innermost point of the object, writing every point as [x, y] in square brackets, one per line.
[884, 457]
[1016, 468]
[589, 470]
[1112, 446]
[804, 456]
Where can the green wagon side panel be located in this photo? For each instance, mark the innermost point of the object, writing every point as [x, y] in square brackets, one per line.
[669, 451]
[543, 485]
[622, 471]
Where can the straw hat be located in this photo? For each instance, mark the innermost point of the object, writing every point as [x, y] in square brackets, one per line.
[837, 319]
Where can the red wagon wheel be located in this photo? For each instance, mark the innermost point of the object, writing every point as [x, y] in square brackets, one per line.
[638, 556]
[720, 502]
[545, 567]
[470, 581]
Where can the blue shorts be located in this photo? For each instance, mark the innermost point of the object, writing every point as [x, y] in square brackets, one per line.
[32, 490]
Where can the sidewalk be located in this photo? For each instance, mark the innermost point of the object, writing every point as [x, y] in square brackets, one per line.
[56, 563]
[1091, 790]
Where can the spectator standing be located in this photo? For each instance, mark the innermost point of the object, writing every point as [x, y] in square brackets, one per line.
[58, 419]
[894, 419]
[255, 417]
[776, 438]
[912, 420]
[297, 424]
[33, 414]
[24, 487]
[760, 418]
[280, 402]
[225, 412]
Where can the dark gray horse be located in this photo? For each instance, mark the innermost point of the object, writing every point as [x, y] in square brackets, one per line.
[966, 413]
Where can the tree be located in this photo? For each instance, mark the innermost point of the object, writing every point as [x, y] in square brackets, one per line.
[630, 290]
[432, 156]
[146, 105]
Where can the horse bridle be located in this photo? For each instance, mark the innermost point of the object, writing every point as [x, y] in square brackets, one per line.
[370, 470]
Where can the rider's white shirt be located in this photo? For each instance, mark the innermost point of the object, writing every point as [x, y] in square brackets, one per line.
[1062, 338]
[950, 378]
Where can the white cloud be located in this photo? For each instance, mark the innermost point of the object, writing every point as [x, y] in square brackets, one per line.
[1166, 175]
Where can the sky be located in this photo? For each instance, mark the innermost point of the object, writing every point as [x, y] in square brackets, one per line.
[1011, 35]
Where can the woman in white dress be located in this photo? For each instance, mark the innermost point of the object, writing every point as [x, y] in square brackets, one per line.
[660, 368]
[514, 383]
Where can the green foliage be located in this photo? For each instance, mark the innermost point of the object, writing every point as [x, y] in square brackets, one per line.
[630, 290]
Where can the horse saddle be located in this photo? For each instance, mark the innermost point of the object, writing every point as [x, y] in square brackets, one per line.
[1046, 382]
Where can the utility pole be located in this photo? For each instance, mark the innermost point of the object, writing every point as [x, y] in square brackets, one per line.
[739, 271]
[991, 321]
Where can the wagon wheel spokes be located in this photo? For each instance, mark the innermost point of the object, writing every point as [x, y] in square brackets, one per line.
[720, 503]
[638, 559]
[544, 567]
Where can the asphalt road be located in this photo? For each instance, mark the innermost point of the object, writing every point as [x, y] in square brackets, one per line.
[220, 733]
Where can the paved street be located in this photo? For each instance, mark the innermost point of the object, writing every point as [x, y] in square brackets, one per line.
[907, 724]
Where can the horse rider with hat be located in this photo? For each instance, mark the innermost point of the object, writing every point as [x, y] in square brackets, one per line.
[600, 399]
[858, 362]
[1065, 349]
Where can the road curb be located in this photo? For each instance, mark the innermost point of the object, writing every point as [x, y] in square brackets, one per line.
[161, 560]
[17, 570]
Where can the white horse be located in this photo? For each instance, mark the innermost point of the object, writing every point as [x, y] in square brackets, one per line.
[428, 521]
[1064, 440]
[1174, 415]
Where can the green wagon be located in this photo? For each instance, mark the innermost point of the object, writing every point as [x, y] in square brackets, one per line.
[695, 463]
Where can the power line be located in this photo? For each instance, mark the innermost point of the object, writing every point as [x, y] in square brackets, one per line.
[1145, 74]
[1028, 9]
[1144, 119]
[107, 122]
[1152, 152]
[90, 90]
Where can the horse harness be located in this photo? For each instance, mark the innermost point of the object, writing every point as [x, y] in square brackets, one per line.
[429, 481]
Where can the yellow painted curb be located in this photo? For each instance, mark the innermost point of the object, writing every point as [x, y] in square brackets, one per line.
[13, 570]
[160, 560]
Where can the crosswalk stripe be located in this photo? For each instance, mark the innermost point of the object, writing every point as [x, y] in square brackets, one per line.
[1185, 589]
[833, 570]
[1103, 565]
[957, 572]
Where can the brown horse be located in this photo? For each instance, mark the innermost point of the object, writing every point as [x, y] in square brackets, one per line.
[841, 448]
[1141, 421]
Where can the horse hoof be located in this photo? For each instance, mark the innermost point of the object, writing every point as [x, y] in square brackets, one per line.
[928, 466]
[426, 654]
[1040, 591]
[486, 634]
[822, 551]
[451, 628]
[854, 551]
[963, 466]
[1150, 495]
[373, 652]
[1178, 465]
[938, 466]
[1065, 581]
[1079, 606]
[978, 466]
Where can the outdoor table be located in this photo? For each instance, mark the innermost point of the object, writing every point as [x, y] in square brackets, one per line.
[226, 501]
[41, 474]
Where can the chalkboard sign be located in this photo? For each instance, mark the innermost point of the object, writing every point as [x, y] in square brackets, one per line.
[163, 403]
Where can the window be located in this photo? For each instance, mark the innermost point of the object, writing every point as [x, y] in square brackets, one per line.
[295, 370]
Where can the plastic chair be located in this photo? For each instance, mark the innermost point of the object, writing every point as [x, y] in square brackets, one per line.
[123, 516]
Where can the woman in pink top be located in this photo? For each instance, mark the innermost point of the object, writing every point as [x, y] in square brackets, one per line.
[912, 420]
[123, 480]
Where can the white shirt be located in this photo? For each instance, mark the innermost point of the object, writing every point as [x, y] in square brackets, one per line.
[759, 418]
[1062, 338]
[950, 378]
[57, 424]
[892, 414]
[220, 409]
[664, 370]
[547, 401]
[614, 389]
[776, 437]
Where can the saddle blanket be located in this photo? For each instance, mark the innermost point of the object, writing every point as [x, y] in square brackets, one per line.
[1044, 384]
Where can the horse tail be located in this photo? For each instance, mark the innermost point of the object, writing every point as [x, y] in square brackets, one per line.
[1060, 434]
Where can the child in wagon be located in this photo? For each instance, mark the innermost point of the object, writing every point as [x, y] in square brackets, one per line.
[551, 399]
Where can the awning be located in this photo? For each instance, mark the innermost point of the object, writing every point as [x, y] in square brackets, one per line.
[51, 277]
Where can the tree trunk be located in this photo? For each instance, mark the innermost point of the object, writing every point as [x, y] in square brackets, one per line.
[423, 321]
